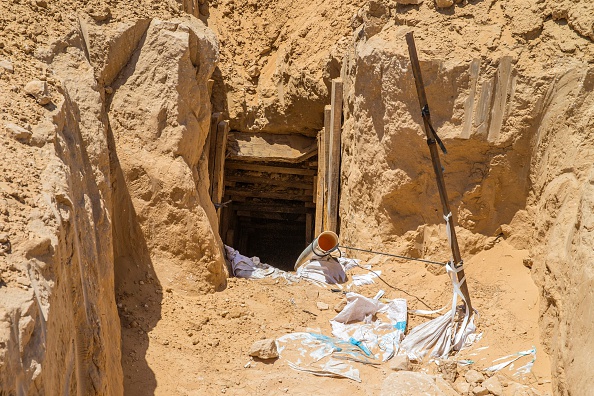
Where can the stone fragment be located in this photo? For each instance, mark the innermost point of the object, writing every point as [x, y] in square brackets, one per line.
[462, 387]
[44, 132]
[322, 306]
[400, 363]
[444, 3]
[100, 13]
[6, 65]
[264, 349]
[16, 132]
[474, 377]
[493, 385]
[409, 2]
[406, 383]
[449, 370]
[340, 305]
[445, 386]
[480, 391]
[41, 3]
[38, 89]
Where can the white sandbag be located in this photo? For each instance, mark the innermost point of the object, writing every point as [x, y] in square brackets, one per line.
[441, 335]
[358, 308]
[326, 270]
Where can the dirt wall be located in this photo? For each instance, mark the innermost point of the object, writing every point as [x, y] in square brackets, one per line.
[508, 85]
[104, 119]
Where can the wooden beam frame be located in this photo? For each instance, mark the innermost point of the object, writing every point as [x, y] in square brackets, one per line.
[218, 188]
[266, 181]
[269, 168]
[334, 155]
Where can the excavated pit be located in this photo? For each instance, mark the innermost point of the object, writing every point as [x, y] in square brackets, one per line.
[112, 272]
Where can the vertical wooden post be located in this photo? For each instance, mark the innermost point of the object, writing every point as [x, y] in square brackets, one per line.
[334, 158]
[326, 155]
[210, 145]
[219, 166]
[308, 228]
[320, 186]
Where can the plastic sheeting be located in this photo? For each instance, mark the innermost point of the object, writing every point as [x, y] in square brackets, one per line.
[441, 335]
[379, 338]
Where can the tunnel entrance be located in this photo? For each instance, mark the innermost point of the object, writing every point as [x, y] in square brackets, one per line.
[269, 195]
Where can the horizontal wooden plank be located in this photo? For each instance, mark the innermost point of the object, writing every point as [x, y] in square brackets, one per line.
[271, 215]
[269, 194]
[261, 146]
[269, 168]
[266, 207]
[269, 181]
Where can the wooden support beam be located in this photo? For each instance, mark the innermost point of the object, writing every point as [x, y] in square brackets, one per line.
[270, 195]
[267, 181]
[210, 146]
[309, 218]
[269, 168]
[271, 215]
[334, 155]
[218, 187]
[271, 208]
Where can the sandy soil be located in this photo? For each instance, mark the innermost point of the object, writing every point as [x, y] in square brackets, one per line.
[199, 345]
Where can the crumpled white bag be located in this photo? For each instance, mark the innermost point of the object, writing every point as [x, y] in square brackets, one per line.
[325, 270]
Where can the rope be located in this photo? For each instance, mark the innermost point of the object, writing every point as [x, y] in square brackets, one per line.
[394, 287]
[395, 255]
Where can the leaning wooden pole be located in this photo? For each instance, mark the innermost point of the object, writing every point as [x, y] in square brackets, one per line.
[432, 140]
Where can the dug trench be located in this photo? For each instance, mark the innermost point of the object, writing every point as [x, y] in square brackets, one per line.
[138, 139]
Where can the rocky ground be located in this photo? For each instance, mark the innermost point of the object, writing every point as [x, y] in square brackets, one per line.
[205, 340]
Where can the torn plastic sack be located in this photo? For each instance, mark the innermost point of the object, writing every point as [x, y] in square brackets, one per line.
[377, 339]
[448, 332]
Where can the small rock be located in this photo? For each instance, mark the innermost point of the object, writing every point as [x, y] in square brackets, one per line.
[480, 391]
[264, 349]
[108, 90]
[493, 385]
[141, 282]
[38, 89]
[400, 363]
[100, 13]
[408, 2]
[7, 65]
[528, 262]
[462, 387]
[340, 306]
[235, 313]
[474, 377]
[322, 306]
[133, 324]
[449, 370]
[444, 3]
[19, 133]
[41, 3]
[3, 238]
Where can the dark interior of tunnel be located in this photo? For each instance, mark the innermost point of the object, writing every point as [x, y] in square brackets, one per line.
[276, 242]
